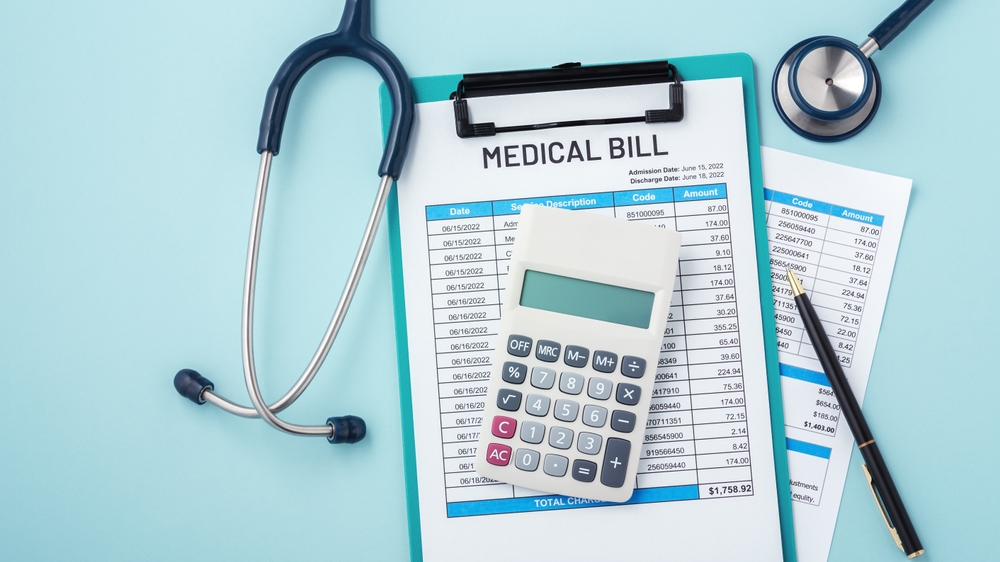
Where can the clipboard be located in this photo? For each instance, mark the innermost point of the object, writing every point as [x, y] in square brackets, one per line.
[737, 65]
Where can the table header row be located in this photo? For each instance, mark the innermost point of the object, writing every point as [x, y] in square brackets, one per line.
[821, 207]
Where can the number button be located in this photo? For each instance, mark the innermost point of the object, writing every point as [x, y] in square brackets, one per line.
[571, 383]
[508, 399]
[605, 361]
[594, 416]
[628, 394]
[555, 465]
[560, 437]
[588, 443]
[526, 459]
[518, 346]
[537, 405]
[547, 351]
[542, 377]
[599, 389]
[514, 373]
[532, 432]
[566, 410]
[633, 367]
[576, 356]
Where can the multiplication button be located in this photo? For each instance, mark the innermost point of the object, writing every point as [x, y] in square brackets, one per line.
[628, 394]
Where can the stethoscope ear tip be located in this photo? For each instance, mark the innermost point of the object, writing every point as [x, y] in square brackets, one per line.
[191, 385]
[346, 429]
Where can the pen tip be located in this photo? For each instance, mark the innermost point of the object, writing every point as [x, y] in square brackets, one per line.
[794, 282]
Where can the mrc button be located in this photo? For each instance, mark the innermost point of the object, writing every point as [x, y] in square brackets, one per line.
[547, 351]
[518, 346]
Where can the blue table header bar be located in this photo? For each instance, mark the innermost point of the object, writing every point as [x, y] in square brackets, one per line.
[459, 211]
[572, 202]
[714, 191]
[800, 202]
[803, 374]
[855, 215]
[807, 448]
[644, 197]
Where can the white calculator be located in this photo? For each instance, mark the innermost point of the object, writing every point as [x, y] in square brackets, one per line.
[581, 325]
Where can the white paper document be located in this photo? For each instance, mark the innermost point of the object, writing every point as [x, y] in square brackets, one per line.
[838, 228]
[706, 486]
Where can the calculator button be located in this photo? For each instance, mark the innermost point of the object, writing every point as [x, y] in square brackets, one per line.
[594, 416]
[526, 459]
[518, 346]
[542, 377]
[537, 404]
[628, 394]
[560, 437]
[599, 389]
[508, 399]
[566, 410]
[588, 443]
[504, 426]
[622, 421]
[547, 351]
[532, 432]
[633, 367]
[498, 454]
[615, 462]
[584, 471]
[576, 356]
[514, 373]
[555, 465]
[571, 383]
[605, 361]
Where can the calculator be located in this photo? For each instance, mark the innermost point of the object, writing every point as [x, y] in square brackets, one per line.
[581, 325]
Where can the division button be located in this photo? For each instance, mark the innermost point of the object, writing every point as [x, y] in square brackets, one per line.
[498, 454]
[622, 421]
[605, 361]
[526, 459]
[504, 426]
[576, 356]
[547, 351]
[633, 367]
[514, 373]
[584, 471]
[508, 399]
[628, 394]
[532, 432]
[615, 462]
[555, 465]
[518, 346]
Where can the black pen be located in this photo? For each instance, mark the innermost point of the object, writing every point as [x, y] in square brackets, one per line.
[883, 490]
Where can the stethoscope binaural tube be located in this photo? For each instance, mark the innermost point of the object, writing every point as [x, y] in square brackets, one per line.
[353, 38]
[827, 89]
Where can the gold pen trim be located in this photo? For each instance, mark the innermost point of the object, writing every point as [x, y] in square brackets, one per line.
[885, 516]
[865, 444]
[794, 282]
[915, 554]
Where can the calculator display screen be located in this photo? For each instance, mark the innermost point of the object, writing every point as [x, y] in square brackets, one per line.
[588, 299]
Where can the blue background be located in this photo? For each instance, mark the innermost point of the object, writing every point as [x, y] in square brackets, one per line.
[127, 163]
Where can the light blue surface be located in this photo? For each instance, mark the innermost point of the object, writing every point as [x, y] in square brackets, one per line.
[128, 130]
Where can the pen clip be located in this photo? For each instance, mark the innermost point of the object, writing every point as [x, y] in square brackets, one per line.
[881, 508]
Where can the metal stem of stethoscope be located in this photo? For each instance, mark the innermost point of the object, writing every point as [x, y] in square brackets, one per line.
[352, 38]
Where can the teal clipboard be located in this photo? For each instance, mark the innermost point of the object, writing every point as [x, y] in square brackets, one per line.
[735, 65]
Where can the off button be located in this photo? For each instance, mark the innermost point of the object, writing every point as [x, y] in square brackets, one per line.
[518, 346]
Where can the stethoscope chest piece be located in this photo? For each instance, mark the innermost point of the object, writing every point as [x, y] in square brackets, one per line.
[826, 89]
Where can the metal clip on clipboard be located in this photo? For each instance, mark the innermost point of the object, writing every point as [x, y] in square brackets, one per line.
[568, 76]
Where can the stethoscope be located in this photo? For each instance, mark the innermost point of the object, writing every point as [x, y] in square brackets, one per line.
[827, 89]
[353, 38]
